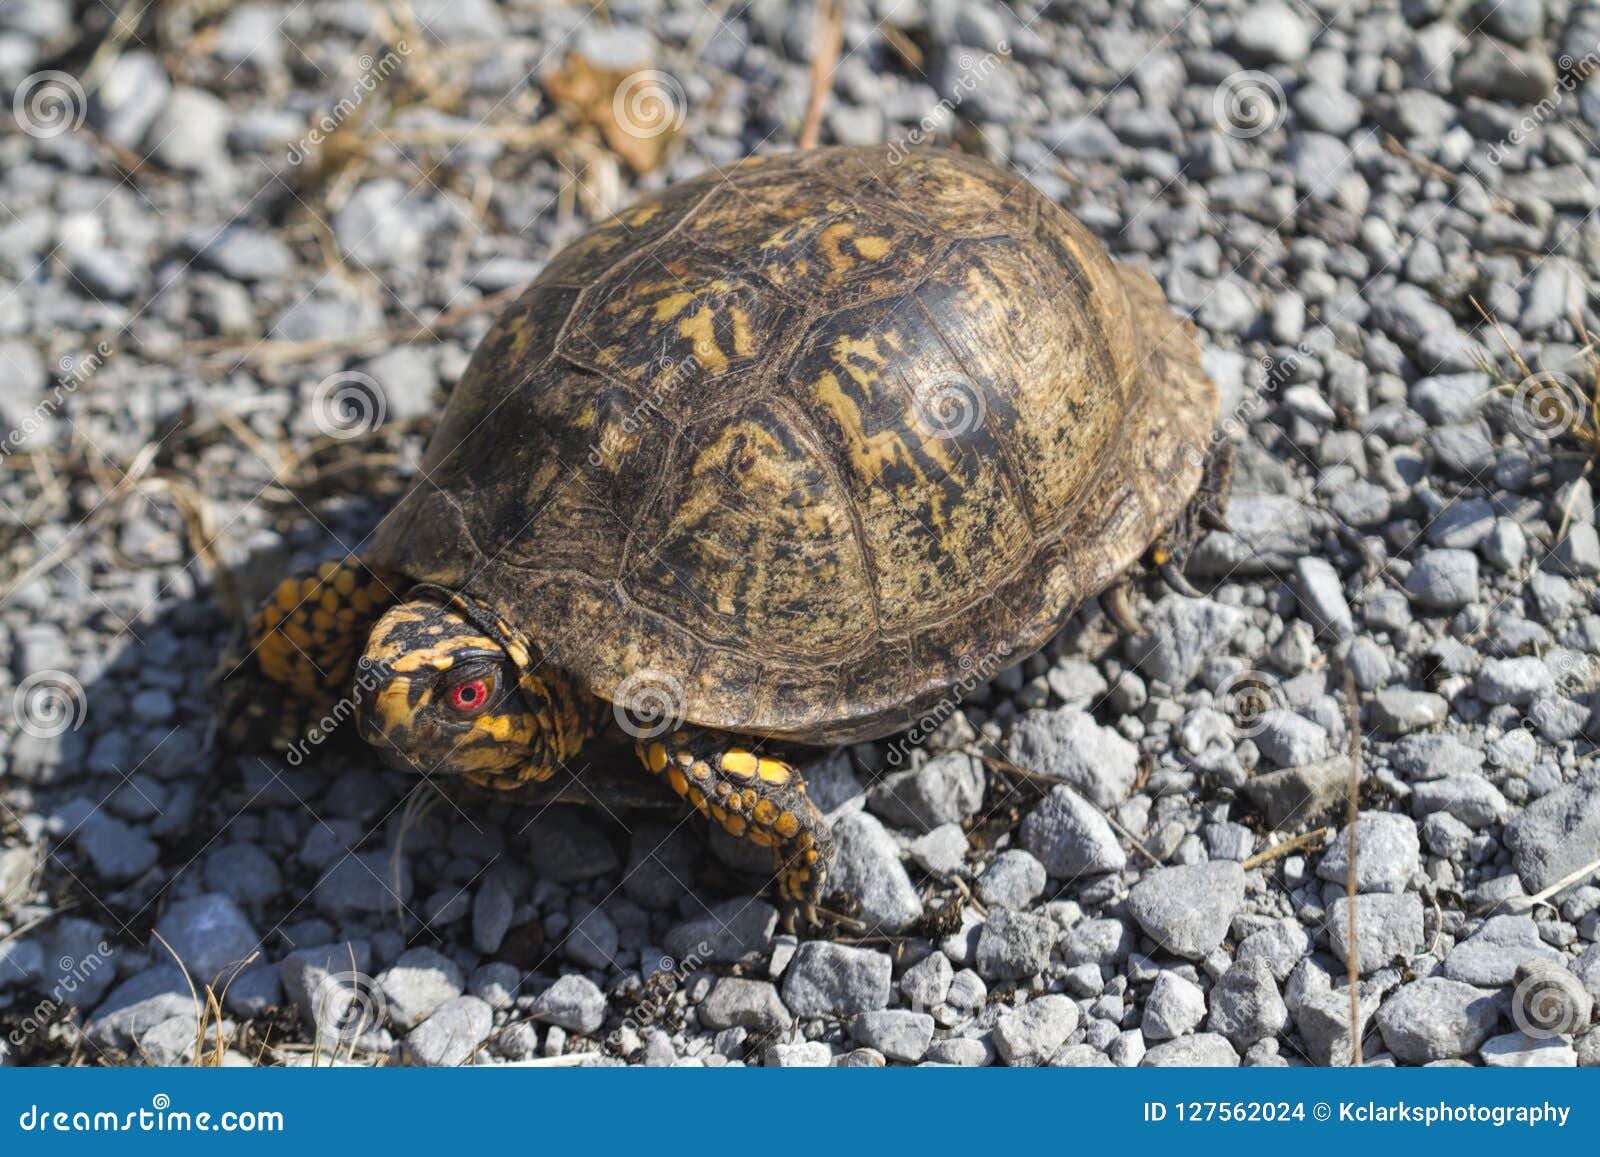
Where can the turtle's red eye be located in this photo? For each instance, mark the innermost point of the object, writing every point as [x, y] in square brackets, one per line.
[470, 697]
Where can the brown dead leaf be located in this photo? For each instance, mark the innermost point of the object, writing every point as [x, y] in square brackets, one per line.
[638, 112]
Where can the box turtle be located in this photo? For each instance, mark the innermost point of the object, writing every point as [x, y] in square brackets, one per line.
[793, 453]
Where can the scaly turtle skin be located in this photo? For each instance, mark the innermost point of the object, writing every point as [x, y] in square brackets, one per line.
[791, 452]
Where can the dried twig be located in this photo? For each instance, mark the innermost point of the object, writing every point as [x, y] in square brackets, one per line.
[824, 59]
[1283, 849]
[1352, 805]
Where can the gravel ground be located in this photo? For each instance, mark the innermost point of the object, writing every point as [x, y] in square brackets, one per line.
[246, 249]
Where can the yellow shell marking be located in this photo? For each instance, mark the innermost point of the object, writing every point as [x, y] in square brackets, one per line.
[740, 763]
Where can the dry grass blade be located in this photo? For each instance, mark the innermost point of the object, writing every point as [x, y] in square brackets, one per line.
[1551, 406]
[1308, 840]
[824, 59]
[1352, 812]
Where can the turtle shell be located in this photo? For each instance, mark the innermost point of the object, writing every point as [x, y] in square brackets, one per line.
[806, 446]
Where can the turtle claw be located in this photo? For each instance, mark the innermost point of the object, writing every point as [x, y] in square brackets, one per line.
[1178, 581]
[1119, 609]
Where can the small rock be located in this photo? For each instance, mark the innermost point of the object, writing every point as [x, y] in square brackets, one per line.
[1014, 945]
[1174, 1007]
[574, 1003]
[1400, 711]
[1070, 837]
[417, 984]
[1069, 744]
[946, 789]
[834, 979]
[1388, 853]
[1031, 1034]
[450, 1036]
[899, 1034]
[1444, 580]
[867, 865]
[748, 1004]
[1187, 909]
[1388, 928]
[1181, 634]
[1491, 956]
[1246, 1006]
[1014, 880]
[1435, 1019]
[1202, 1050]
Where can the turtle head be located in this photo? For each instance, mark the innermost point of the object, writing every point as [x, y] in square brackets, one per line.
[440, 697]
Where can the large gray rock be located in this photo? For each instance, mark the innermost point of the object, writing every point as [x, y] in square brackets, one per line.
[946, 789]
[1436, 1019]
[1187, 909]
[574, 1003]
[1491, 956]
[1246, 1005]
[1388, 853]
[1071, 837]
[1388, 928]
[1069, 744]
[835, 979]
[1558, 833]
[867, 865]
[1180, 634]
[1031, 1034]
[139, 1004]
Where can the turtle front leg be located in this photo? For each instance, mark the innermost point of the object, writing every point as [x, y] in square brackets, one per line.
[754, 798]
[298, 653]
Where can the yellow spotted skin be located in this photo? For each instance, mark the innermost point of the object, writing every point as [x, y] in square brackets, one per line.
[750, 797]
[299, 653]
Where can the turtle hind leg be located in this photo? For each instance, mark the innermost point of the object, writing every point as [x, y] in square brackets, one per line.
[296, 657]
[1205, 512]
[753, 797]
